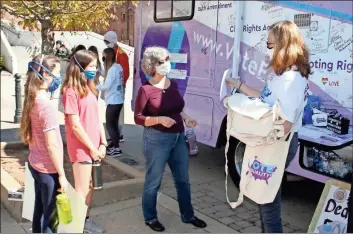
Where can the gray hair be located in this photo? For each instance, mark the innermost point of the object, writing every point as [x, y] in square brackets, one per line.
[151, 57]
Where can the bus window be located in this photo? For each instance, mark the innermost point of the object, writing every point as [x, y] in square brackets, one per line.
[173, 10]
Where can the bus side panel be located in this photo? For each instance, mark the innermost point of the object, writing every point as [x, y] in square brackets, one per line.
[326, 28]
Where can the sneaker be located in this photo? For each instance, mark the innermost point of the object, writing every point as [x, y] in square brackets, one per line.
[92, 227]
[110, 149]
[122, 139]
[115, 152]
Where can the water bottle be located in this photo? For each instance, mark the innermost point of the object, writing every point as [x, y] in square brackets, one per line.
[191, 140]
[64, 208]
[97, 179]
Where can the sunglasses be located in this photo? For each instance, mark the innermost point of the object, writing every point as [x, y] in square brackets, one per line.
[165, 60]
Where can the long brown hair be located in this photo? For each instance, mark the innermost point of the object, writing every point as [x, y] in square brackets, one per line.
[75, 77]
[109, 59]
[33, 83]
[289, 49]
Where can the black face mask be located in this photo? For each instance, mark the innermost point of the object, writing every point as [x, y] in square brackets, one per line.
[103, 59]
[268, 46]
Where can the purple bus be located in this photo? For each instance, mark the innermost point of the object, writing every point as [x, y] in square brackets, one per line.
[200, 37]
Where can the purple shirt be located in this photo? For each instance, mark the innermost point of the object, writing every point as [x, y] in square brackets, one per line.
[153, 102]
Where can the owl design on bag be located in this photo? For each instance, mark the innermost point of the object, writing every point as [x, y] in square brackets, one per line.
[260, 170]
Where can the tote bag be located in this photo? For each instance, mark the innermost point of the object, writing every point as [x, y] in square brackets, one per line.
[264, 159]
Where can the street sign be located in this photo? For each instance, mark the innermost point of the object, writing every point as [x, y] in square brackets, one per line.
[331, 214]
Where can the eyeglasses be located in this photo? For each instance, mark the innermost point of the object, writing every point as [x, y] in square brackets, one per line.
[165, 60]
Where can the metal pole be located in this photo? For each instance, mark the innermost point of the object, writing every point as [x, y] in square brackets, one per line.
[237, 36]
[18, 95]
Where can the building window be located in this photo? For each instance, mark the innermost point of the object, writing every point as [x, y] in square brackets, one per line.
[173, 10]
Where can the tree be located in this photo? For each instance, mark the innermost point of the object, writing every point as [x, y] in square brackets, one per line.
[50, 15]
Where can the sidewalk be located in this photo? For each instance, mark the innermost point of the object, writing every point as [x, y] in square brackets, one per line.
[125, 217]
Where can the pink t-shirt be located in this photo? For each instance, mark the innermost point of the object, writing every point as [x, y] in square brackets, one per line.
[43, 118]
[87, 109]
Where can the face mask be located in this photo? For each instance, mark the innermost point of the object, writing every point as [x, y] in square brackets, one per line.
[56, 81]
[164, 68]
[90, 74]
[55, 84]
[109, 44]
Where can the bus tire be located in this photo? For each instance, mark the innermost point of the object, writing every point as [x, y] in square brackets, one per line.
[231, 154]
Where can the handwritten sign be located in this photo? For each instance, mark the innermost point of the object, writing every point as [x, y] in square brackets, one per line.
[331, 214]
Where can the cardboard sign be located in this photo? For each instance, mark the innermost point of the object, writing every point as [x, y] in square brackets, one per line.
[331, 214]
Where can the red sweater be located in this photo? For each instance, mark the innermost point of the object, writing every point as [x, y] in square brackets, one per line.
[123, 60]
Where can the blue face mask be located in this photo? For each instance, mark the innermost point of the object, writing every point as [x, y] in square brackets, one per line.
[56, 81]
[90, 74]
[55, 84]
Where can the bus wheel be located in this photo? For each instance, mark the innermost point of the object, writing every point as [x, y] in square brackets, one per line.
[235, 156]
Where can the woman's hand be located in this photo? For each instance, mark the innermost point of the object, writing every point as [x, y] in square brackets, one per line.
[166, 121]
[233, 83]
[190, 122]
[63, 183]
[102, 151]
[95, 154]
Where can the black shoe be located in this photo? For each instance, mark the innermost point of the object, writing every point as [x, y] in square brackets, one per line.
[156, 226]
[197, 222]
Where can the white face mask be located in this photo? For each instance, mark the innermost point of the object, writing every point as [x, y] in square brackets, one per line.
[110, 45]
[164, 68]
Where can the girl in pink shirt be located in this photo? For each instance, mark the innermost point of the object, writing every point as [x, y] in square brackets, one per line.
[40, 130]
[85, 134]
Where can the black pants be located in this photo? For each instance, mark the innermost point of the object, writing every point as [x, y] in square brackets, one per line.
[350, 210]
[46, 189]
[112, 121]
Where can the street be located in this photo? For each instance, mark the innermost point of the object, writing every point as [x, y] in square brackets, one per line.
[206, 178]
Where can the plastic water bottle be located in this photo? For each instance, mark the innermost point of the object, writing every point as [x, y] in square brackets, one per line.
[97, 179]
[191, 140]
[64, 208]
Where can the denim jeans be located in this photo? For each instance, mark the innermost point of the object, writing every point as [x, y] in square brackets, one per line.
[270, 213]
[161, 148]
[46, 189]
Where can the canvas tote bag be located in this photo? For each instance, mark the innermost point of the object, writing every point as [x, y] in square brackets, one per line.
[264, 159]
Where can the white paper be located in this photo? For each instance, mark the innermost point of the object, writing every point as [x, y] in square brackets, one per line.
[78, 210]
[178, 58]
[177, 74]
[29, 195]
[224, 90]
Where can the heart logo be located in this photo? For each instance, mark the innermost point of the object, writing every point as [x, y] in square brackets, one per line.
[324, 80]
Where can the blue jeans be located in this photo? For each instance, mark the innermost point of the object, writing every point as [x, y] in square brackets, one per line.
[270, 213]
[161, 148]
[45, 214]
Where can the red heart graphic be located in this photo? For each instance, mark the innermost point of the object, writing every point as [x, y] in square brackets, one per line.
[324, 80]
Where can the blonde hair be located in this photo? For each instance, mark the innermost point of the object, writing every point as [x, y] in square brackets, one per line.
[75, 77]
[33, 84]
[289, 49]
